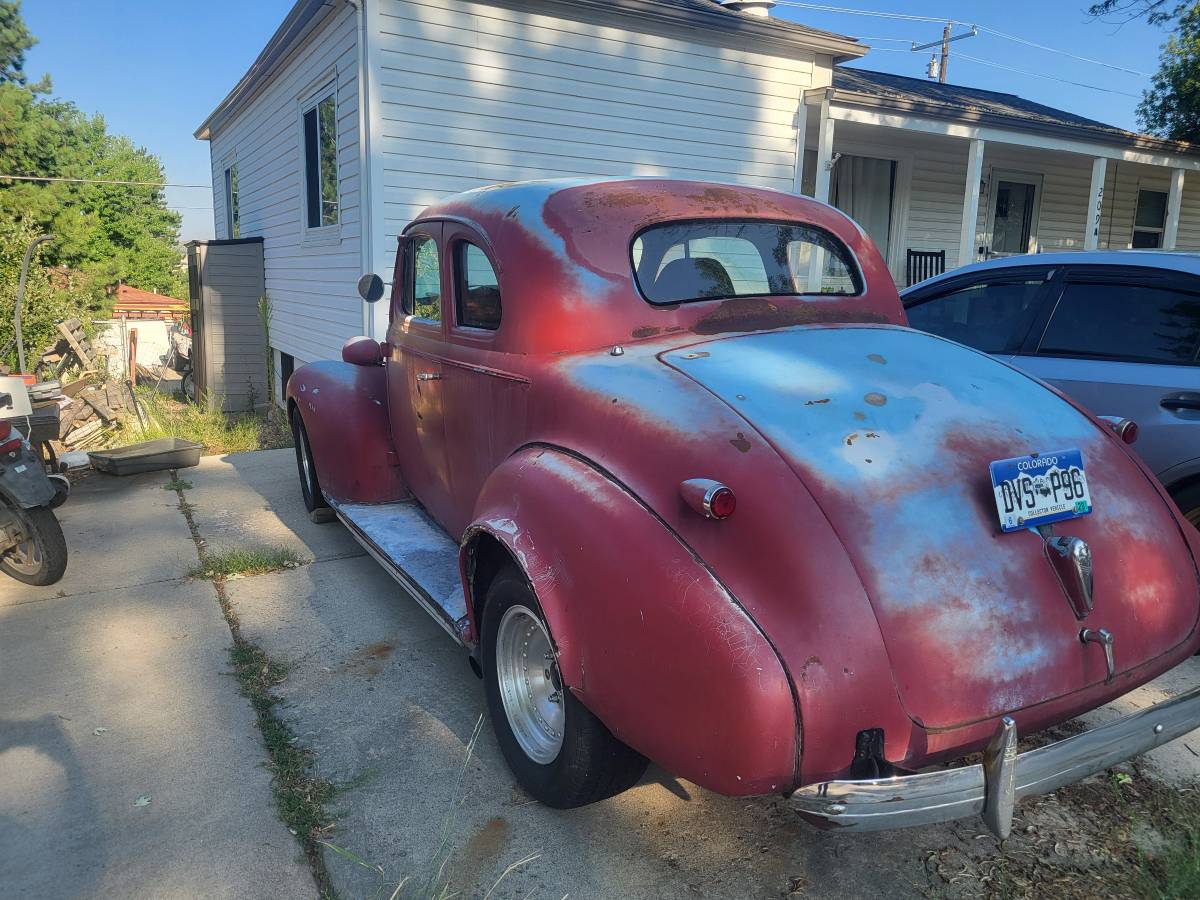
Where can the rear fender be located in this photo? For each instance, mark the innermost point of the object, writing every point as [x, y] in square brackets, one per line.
[647, 637]
[345, 412]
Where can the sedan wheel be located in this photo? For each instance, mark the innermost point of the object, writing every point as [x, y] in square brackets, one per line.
[559, 752]
[530, 685]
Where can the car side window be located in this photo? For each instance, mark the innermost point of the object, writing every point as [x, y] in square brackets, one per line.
[1124, 321]
[478, 297]
[991, 316]
[425, 279]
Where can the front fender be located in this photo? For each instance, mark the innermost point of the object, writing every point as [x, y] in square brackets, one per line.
[647, 637]
[345, 412]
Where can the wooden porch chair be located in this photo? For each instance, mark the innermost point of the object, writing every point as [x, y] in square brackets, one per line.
[924, 264]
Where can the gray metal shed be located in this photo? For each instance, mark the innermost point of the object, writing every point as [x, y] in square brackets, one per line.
[229, 343]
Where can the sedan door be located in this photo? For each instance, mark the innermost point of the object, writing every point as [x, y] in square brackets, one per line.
[1125, 341]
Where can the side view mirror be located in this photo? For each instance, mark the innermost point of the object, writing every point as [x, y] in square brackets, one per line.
[362, 351]
[370, 287]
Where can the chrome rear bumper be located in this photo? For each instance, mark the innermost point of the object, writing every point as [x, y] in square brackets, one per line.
[992, 788]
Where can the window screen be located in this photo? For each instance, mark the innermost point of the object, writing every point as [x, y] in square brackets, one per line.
[478, 289]
[684, 262]
[320, 163]
[426, 279]
[1150, 219]
[1126, 321]
[989, 316]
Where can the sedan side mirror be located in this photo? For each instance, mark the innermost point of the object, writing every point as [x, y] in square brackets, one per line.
[362, 351]
[370, 287]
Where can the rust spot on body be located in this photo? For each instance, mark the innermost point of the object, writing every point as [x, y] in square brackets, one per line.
[875, 399]
[860, 416]
[699, 354]
[646, 331]
[816, 402]
[876, 358]
[741, 443]
[757, 314]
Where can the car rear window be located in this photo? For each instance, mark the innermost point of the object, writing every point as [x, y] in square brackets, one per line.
[688, 261]
[1127, 321]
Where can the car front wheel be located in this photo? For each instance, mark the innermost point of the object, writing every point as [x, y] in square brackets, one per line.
[310, 487]
[560, 753]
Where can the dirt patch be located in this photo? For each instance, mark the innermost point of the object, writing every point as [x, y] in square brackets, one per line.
[370, 660]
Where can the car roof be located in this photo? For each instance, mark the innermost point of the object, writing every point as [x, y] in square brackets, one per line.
[1171, 260]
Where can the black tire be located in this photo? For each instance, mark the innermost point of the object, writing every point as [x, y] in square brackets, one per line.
[187, 385]
[310, 485]
[591, 764]
[42, 559]
[1188, 500]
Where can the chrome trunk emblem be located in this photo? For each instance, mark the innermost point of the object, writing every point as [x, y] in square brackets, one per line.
[1071, 559]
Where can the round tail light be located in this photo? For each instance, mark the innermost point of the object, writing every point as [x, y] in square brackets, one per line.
[1126, 429]
[710, 498]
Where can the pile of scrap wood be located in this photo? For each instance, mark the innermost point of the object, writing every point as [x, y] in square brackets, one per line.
[91, 415]
[71, 351]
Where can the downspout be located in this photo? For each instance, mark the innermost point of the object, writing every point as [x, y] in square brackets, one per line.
[365, 211]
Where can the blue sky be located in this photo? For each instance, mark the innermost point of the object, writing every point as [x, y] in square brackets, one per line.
[156, 68]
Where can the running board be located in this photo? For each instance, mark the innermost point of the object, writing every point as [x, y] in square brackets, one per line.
[415, 551]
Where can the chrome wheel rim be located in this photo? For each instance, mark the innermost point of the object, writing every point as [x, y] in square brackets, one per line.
[25, 557]
[305, 463]
[530, 686]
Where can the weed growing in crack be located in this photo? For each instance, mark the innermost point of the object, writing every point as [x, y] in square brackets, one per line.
[246, 561]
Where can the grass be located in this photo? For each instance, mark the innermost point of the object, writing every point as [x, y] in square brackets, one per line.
[219, 432]
[245, 561]
[300, 796]
[177, 484]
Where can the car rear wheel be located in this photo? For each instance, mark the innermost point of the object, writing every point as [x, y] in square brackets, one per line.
[560, 753]
[1188, 500]
[310, 487]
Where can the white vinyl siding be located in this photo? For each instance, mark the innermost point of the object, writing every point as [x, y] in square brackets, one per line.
[310, 281]
[470, 94]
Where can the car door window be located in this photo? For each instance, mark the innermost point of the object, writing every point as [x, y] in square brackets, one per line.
[992, 315]
[478, 289]
[1125, 321]
[425, 279]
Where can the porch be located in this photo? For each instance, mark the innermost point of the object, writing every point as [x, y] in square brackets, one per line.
[942, 176]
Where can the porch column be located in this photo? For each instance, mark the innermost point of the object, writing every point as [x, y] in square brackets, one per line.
[824, 152]
[1091, 237]
[970, 216]
[801, 133]
[1174, 201]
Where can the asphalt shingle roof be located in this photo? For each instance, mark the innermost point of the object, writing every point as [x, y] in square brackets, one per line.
[959, 99]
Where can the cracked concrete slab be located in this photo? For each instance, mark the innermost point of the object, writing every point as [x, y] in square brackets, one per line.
[252, 498]
[130, 765]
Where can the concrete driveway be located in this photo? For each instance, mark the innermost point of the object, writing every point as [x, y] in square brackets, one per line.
[388, 705]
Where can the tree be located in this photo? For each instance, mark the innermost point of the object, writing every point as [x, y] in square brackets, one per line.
[15, 39]
[1171, 107]
[1156, 12]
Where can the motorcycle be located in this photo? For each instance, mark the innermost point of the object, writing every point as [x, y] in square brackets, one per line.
[32, 546]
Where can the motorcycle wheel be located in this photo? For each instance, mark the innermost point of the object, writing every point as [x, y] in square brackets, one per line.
[42, 558]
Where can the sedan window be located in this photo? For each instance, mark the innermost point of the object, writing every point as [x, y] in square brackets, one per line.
[426, 279]
[991, 316]
[478, 289]
[1126, 321]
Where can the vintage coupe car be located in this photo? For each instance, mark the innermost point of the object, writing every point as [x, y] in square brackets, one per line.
[665, 458]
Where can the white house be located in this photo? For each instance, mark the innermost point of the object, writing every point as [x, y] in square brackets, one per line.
[359, 113]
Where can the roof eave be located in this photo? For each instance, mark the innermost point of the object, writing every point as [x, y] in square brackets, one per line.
[948, 113]
[305, 15]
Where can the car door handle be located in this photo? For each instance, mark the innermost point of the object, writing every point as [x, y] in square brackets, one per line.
[429, 376]
[1181, 400]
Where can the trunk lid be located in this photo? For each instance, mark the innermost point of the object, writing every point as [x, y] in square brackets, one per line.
[892, 431]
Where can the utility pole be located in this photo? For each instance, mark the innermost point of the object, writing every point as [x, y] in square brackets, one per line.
[945, 54]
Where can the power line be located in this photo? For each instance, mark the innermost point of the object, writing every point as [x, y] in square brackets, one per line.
[995, 32]
[1092, 87]
[207, 187]
[1028, 43]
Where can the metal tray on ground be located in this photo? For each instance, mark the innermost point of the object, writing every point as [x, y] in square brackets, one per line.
[148, 456]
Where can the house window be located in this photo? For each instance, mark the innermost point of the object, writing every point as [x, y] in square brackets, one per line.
[320, 162]
[1150, 219]
[478, 289]
[233, 228]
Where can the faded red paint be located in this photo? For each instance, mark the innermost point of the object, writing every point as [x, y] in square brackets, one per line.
[745, 654]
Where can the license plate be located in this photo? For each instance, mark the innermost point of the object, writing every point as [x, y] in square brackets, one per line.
[1040, 489]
